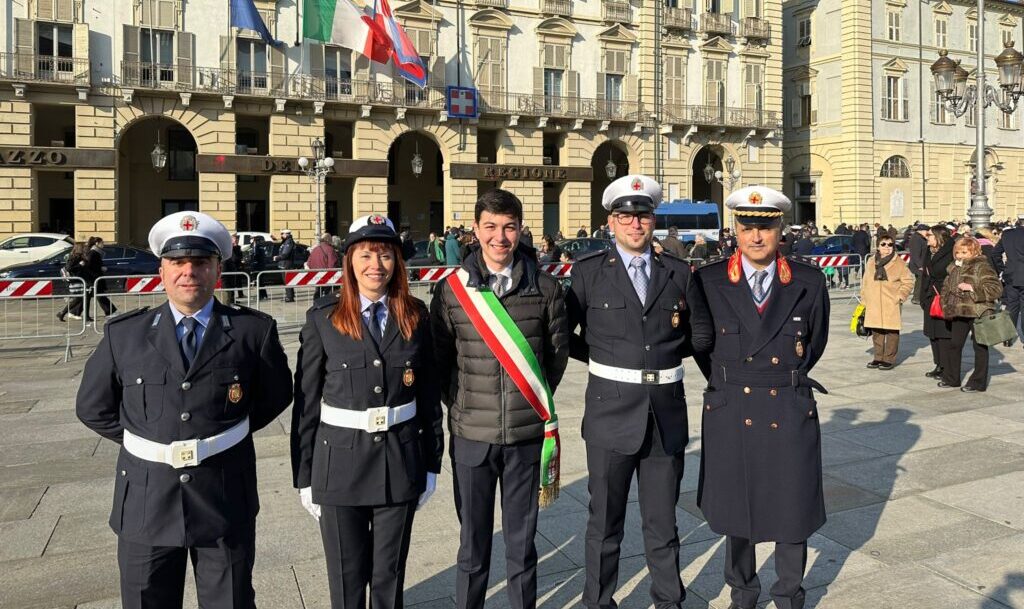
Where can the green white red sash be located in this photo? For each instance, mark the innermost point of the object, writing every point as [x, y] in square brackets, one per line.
[506, 341]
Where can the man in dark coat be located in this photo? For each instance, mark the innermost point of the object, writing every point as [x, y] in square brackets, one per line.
[285, 259]
[803, 245]
[181, 388]
[639, 316]
[727, 242]
[917, 245]
[760, 476]
[673, 245]
[496, 432]
[1011, 245]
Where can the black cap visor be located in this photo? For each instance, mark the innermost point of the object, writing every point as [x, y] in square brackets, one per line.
[372, 233]
[189, 247]
[633, 204]
[761, 218]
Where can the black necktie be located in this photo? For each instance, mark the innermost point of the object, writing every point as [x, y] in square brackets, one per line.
[189, 340]
[374, 323]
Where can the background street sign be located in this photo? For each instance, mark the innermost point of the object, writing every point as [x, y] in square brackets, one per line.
[461, 102]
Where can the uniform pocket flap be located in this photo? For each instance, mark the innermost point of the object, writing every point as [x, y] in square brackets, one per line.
[673, 305]
[729, 327]
[795, 328]
[226, 376]
[347, 361]
[611, 301]
[337, 437]
[714, 400]
[146, 376]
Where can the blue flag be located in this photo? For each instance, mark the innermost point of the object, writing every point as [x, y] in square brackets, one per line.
[245, 15]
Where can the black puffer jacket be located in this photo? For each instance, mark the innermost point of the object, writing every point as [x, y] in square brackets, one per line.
[484, 404]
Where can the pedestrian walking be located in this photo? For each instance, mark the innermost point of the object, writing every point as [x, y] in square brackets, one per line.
[285, 259]
[803, 245]
[182, 387]
[452, 248]
[969, 291]
[936, 265]
[367, 433]
[233, 283]
[1008, 256]
[501, 346]
[917, 246]
[323, 256]
[886, 286]
[258, 263]
[672, 244]
[640, 315]
[93, 270]
[75, 267]
[761, 474]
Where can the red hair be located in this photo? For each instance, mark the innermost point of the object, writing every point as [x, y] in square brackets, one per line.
[347, 315]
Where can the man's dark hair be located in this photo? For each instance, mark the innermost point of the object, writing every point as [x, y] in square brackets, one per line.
[499, 202]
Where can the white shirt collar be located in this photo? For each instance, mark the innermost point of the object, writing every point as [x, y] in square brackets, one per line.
[627, 258]
[203, 316]
[749, 270]
[366, 303]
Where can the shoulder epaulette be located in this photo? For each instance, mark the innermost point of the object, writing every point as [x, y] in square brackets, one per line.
[247, 310]
[802, 261]
[590, 256]
[123, 316]
[325, 301]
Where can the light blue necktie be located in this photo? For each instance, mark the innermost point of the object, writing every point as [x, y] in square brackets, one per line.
[640, 279]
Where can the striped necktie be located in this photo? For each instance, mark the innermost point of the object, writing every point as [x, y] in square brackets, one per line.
[640, 279]
[759, 292]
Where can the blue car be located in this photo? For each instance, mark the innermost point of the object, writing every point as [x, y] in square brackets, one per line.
[833, 244]
[118, 259]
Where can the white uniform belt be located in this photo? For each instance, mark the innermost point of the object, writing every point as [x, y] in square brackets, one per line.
[639, 377]
[185, 453]
[371, 420]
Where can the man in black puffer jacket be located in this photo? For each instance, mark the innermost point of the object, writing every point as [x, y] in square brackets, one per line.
[496, 434]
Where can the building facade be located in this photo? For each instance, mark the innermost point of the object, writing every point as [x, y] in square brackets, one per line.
[571, 94]
[866, 137]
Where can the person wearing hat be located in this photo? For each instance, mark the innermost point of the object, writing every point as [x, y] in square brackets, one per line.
[760, 444]
[285, 259]
[367, 434]
[640, 314]
[501, 346]
[182, 387]
[917, 245]
[1008, 258]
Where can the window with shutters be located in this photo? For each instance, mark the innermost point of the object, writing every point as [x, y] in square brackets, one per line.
[162, 14]
[675, 80]
[940, 112]
[553, 90]
[803, 32]
[489, 72]
[941, 32]
[414, 95]
[1007, 36]
[252, 73]
[54, 50]
[337, 71]
[714, 83]
[156, 52]
[753, 84]
[1007, 121]
[971, 117]
[895, 25]
[423, 40]
[269, 17]
[751, 8]
[972, 36]
[556, 56]
[616, 61]
[806, 106]
[894, 98]
[55, 10]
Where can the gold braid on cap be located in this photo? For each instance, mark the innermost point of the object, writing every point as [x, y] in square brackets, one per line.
[759, 214]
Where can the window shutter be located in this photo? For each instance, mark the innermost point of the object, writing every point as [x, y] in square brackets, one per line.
[750, 8]
[436, 75]
[316, 60]
[572, 90]
[227, 54]
[25, 45]
[538, 82]
[601, 79]
[561, 59]
[548, 56]
[497, 70]
[813, 92]
[932, 103]
[794, 111]
[65, 10]
[632, 86]
[184, 41]
[165, 14]
[277, 72]
[361, 67]
[131, 43]
[80, 40]
[44, 10]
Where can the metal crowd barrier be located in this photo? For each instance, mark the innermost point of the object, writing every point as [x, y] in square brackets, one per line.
[31, 308]
[286, 295]
[112, 294]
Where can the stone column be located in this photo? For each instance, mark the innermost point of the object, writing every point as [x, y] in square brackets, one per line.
[18, 211]
[95, 189]
[293, 197]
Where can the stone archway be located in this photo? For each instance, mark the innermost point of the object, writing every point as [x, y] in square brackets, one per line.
[146, 194]
[701, 188]
[416, 201]
[611, 152]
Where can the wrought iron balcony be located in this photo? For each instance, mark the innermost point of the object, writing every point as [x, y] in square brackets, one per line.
[562, 8]
[498, 102]
[617, 11]
[722, 116]
[26, 67]
[493, 3]
[755, 28]
[679, 19]
[716, 23]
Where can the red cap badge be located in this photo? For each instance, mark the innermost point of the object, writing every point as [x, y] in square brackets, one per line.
[755, 198]
[375, 219]
[637, 184]
[189, 223]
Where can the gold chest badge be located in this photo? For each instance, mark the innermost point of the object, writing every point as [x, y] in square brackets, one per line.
[675, 319]
[408, 377]
[235, 393]
[799, 348]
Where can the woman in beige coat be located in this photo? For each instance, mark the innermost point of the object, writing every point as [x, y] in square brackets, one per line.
[886, 286]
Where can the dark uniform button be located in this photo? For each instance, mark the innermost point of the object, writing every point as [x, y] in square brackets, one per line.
[408, 363]
[325, 441]
[344, 365]
[186, 386]
[748, 422]
[810, 413]
[378, 389]
[708, 407]
[185, 478]
[773, 392]
[799, 332]
[185, 416]
[377, 439]
[723, 330]
[376, 363]
[775, 360]
[606, 305]
[774, 426]
[746, 390]
[644, 318]
[236, 377]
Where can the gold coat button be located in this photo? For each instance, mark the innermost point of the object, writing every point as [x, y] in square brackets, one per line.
[748, 422]
[774, 426]
[746, 390]
[773, 392]
[775, 360]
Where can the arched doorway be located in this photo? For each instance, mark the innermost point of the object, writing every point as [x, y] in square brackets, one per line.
[704, 189]
[146, 194]
[609, 163]
[416, 185]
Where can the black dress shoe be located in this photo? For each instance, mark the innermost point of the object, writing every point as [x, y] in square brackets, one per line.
[969, 389]
[934, 374]
[874, 363]
[944, 384]
[885, 366]
[735, 606]
[60, 317]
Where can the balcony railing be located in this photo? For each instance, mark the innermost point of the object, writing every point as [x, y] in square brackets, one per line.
[503, 102]
[617, 11]
[719, 116]
[755, 28]
[716, 23]
[494, 3]
[679, 18]
[562, 8]
[44, 68]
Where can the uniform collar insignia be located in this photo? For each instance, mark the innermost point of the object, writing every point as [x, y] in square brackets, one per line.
[785, 273]
[225, 321]
[156, 319]
[735, 267]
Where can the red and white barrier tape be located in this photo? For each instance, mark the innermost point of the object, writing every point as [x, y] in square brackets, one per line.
[304, 278]
[25, 289]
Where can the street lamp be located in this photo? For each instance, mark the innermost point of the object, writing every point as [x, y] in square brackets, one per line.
[417, 162]
[317, 169]
[610, 169]
[159, 154]
[732, 173]
[959, 97]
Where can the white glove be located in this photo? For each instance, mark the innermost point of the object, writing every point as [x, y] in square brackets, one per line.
[431, 487]
[306, 498]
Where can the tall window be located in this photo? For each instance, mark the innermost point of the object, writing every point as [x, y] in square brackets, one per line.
[1007, 36]
[338, 71]
[156, 50]
[940, 113]
[53, 47]
[895, 25]
[1007, 121]
[675, 80]
[752, 86]
[972, 36]
[894, 101]
[490, 63]
[806, 105]
[252, 65]
[804, 32]
[895, 167]
[552, 88]
[714, 83]
[941, 32]
[181, 155]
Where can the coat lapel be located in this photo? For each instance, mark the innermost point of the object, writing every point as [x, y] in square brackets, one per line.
[742, 303]
[216, 338]
[164, 341]
[780, 303]
[659, 279]
[390, 333]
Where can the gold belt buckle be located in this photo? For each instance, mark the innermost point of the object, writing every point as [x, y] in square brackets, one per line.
[184, 453]
[378, 419]
[649, 377]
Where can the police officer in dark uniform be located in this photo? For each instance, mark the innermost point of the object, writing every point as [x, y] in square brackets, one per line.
[639, 314]
[367, 434]
[285, 259]
[760, 477]
[182, 387]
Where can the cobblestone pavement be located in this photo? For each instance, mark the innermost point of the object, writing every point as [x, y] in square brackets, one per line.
[924, 489]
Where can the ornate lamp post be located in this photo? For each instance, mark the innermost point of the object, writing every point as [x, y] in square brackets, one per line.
[732, 173]
[960, 98]
[610, 169]
[317, 169]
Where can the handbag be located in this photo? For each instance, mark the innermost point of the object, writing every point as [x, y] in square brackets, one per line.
[993, 328]
[936, 309]
[857, 321]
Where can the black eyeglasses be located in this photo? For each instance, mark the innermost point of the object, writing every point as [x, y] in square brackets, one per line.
[885, 245]
[627, 219]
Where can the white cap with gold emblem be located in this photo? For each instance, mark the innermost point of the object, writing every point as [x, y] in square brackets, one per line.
[190, 234]
[758, 205]
[373, 227]
[632, 194]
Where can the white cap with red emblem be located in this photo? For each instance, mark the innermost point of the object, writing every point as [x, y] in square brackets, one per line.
[632, 194]
[758, 205]
[189, 234]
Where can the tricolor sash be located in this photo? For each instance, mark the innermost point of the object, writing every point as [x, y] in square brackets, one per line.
[506, 341]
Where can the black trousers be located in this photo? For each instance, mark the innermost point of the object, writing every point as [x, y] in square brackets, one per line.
[953, 350]
[1013, 297]
[741, 573]
[939, 346]
[366, 546]
[517, 469]
[658, 476]
[153, 577]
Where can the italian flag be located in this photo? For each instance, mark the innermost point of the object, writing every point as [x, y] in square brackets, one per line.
[342, 23]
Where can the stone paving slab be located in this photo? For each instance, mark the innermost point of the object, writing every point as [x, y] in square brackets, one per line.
[984, 569]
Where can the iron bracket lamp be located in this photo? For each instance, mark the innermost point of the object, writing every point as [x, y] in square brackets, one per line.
[732, 173]
[159, 155]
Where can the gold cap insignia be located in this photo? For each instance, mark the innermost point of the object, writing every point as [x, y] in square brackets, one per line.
[755, 198]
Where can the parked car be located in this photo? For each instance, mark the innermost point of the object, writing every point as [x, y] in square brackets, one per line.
[118, 259]
[583, 246]
[32, 247]
[832, 244]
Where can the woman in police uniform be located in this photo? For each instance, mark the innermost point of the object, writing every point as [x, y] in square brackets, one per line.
[367, 436]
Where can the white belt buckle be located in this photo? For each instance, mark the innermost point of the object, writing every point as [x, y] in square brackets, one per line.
[184, 453]
[377, 419]
[650, 377]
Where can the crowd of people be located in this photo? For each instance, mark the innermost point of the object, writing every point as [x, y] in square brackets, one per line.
[85, 262]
